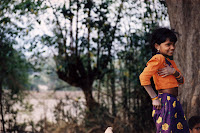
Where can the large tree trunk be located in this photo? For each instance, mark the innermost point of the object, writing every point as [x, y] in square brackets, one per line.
[185, 19]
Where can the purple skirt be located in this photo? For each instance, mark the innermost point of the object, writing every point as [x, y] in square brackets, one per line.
[170, 118]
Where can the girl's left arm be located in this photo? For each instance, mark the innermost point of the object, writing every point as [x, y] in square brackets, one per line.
[167, 70]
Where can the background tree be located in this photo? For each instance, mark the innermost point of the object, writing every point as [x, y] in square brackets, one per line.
[133, 105]
[82, 59]
[94, 42]
[184, 19]
[14, 72]
[87, 48]
[14, 68]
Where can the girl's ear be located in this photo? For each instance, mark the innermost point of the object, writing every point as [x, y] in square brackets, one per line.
[157, 46]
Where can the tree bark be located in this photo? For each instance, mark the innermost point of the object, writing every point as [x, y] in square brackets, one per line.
[1, 108]
[184, 18]
[91, 104]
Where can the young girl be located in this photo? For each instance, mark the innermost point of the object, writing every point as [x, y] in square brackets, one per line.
[167, 111]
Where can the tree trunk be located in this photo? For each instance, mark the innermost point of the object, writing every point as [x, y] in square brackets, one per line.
[91, 104]
[1, 108]
[184, 18]
[113, 90]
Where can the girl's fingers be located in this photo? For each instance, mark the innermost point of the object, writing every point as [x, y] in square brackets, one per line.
[161, 69]
[163, 72]
[157, 106]
[164, 75]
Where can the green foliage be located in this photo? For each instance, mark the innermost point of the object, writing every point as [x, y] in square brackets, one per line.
[14, 68]
[131, 60]
[12, 15]
[108, 44]
[89, 54]
[14, 71]
[106, 40]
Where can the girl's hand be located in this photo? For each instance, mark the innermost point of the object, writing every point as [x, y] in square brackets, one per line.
[157, 104]
[167, 70]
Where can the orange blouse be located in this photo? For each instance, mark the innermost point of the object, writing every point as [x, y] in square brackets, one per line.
[155, 63]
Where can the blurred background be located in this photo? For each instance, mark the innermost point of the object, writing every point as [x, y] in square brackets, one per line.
[73, 66]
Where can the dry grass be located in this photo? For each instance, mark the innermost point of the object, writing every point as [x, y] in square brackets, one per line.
[45, 102]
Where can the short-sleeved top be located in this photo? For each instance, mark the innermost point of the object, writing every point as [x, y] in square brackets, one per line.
[157, 62]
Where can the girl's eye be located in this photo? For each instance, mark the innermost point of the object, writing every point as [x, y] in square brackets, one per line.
[169, 44]
[198, 128]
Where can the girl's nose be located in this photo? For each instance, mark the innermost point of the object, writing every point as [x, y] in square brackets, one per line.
[172, 47]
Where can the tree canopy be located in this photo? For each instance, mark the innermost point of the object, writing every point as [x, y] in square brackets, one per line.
[96, 45]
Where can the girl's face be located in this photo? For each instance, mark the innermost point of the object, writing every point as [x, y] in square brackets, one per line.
[166, 48]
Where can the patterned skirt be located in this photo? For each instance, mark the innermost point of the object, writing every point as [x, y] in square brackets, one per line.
[170, 118]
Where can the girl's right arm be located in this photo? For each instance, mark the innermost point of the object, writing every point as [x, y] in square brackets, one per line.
[155, 102]
[152, 68]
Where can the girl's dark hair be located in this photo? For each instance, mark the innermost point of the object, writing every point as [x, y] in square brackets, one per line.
[193, 121]
[160, 35]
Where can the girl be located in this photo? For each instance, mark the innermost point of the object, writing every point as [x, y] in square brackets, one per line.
[167, 111]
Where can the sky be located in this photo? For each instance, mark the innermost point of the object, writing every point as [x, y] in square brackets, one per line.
[44, 28]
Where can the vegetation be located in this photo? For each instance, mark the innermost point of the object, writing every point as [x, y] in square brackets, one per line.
[104, 56]
[98, 47]
[14, 68]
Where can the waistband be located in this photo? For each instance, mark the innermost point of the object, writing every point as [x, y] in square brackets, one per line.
[166, 94]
